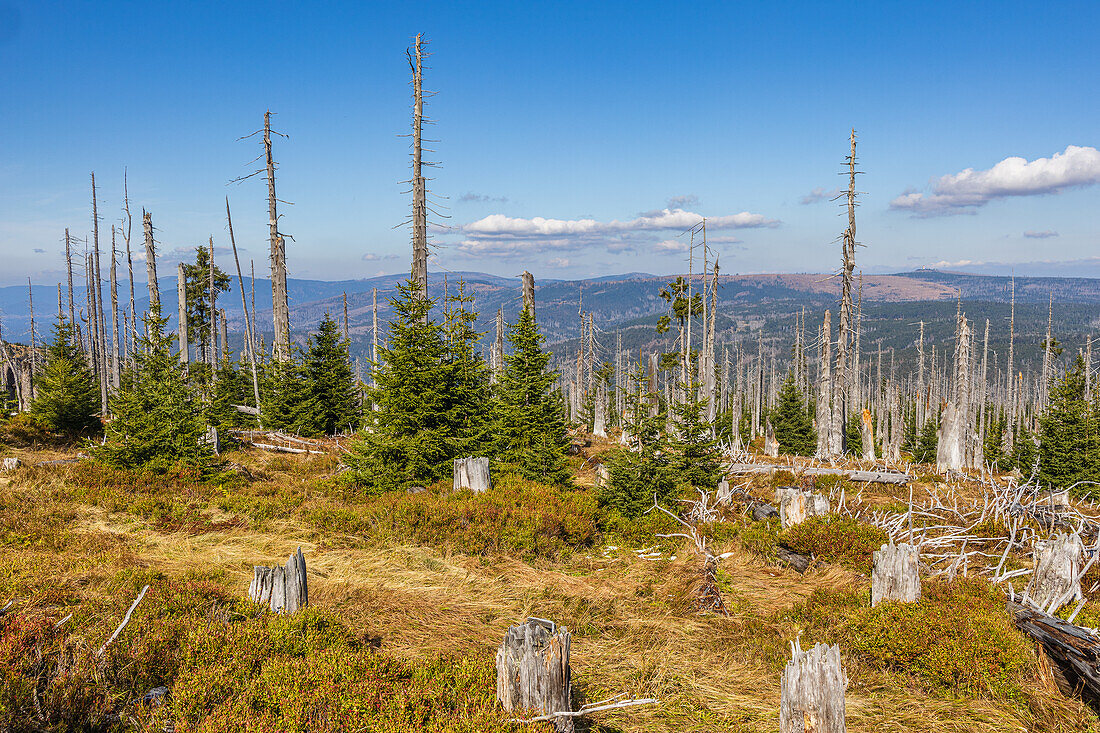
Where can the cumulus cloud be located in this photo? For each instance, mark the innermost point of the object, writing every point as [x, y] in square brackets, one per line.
[963, 192]
[372, 257]
[479, 198]
[819, 194]
[1045, 234]
[498, 234]
[558, 262]
[670, 246]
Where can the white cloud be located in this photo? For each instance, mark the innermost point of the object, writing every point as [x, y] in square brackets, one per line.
[479, 198]
[558, 262]
[498, 234]
[679, 202]
[671, 246]
[967, 190]
[372, 257]
[819, 194]
[1045, 234]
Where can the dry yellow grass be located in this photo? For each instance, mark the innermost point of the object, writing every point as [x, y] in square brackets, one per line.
[632, 630]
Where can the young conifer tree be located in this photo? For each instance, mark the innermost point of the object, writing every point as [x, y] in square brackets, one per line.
[531, 413]
[1068, 440]
[641, 472]
[284, 395]
[470, 401]
[68, 399]
[927, 442]
[693, 445]
[158, 423]
[407, 440]
[332, 402]
[793, 428]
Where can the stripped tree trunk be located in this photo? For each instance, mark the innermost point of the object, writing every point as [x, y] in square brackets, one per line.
[867, 436]
[181, 296]
[1056, 578]
[894, 574]
[496, 357]
[471, 473]
[249, 333]
[69, 268]
[796, 506]
[419, 186]
[771, 445]
[950, 451]
[529, 292]
[116, 364]
[212, 347]
[848, 263]
[823, 412]
[533, 671]
[811, 697]
[283, 589]
[151, 263]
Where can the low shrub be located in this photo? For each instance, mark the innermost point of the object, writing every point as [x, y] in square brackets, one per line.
[842, 540]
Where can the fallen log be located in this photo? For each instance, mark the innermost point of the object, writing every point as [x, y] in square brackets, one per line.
[876, 477]
[1074, 650]
[284, 448]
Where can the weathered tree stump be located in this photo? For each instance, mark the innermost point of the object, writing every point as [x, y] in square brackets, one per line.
[811, 697]
[602, 475]
[771, 445]
[9, 464]
[282, 588]
[533, 671]
[867, 436]
[1057, 562]
[471, 473]
[724, 495]
[796, 506]
[894, 575]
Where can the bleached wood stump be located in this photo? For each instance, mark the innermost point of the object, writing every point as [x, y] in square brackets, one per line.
[724, 495]
[533, 671]
[283, 588]
[867, 436]
[10, 464]
[771, 445]
[796, 506]
[894, 574]
[602, 475]
[1057, 562]
[811, 697]
[471, 473]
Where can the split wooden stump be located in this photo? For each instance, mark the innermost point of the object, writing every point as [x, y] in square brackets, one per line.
[811, 697]
[796, 505]
[894, 575]
[771, 445]
[724, 495]
[282, 588]
[533, 671]
[471, 473]
[1056, 580]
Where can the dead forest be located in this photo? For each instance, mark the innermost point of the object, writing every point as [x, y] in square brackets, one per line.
[210, 524]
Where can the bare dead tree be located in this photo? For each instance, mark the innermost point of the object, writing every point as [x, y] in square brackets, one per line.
[212, 349]
[181, 296]
[126, 231]
[419, 187]
[69, 269]
[97, 292]
[250, 343]
[115, 364]
[848, 263]
[151, 262]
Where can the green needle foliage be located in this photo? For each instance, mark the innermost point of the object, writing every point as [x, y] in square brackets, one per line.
[68, 392]
[693, 445]
[1069, 441]
[470, 396]
[637, 475]
[283, 395]
[407, 439]
[531, 416]
[927, 442]
[791, 422]
[332, 403]
[157, 424]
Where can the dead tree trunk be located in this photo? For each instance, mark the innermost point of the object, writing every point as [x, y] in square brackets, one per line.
[867, 436]
[894, 575]
[212, 334]
[533, 671]
[181, 296]
[251, 344]
[811, 697]
[471, 473]
[129, 261]
[280, 308]
[844, 321]
[950, 450]
[97, 291]
[529, 292]
[496, 357]
[1056, 580]
[419, 187]
[69, 268]
[796, 506]
[771, 445]
[116, 365]
[823, 412]
[151, 263]
[283, 589]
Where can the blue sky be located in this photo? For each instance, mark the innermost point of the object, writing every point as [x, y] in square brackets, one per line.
[576, 138]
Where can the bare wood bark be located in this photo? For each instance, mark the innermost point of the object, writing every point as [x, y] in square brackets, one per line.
[471, 473]
[529, 292]
[280, 307]
[282, 588]
[823, 412]
[895, 574]
[97, 293]
[848, 261]
[181, 296]
[250, 343]
[126, 232]
[116, 364]
[212, 347]
[812, 691]
[151, 262]
[533, 671]
[419, 187]
[69, 269]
